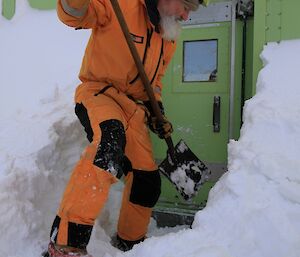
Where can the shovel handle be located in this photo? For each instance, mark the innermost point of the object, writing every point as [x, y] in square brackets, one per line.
[140, 67]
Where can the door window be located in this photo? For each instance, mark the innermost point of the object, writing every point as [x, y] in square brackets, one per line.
[200, 61]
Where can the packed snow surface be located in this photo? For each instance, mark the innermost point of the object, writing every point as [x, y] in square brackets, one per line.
[254, 209]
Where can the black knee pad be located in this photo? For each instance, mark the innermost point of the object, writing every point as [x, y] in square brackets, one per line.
[146, 188]
[110, 153]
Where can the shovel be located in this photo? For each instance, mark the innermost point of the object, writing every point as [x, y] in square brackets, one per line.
[181, 166]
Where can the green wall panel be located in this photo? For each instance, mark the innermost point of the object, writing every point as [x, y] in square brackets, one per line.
[290, 19]
[8, 8]
[43, 4]
[259, 39]
[273, 20]
[282, 20]
[249, 60]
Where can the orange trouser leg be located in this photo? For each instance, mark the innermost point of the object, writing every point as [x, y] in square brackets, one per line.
[134, 218]
[84, 197]
[88, 187]
[142, 185]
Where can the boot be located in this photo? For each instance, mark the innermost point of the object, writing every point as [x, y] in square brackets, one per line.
[55, 250]
[45, 254]
[122, 244]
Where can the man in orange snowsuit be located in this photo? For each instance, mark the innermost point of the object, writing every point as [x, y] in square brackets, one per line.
[113, 107]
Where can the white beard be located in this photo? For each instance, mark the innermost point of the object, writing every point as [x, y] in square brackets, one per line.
[171, 27]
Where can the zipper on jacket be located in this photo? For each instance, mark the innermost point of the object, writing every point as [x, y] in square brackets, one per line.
[161, 54]
[149, 35]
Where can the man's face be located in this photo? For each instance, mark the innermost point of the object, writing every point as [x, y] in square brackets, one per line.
[171, 12]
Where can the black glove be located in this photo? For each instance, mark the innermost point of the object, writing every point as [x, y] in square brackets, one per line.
[162, 128]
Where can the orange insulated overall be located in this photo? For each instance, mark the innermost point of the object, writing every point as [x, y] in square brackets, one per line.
[109, 105]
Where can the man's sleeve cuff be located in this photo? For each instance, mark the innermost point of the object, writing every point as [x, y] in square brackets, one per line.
[78, 13]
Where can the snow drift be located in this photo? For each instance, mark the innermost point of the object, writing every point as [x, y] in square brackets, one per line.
[254, 209]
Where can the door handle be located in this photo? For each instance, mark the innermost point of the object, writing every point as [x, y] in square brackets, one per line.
[216, 114]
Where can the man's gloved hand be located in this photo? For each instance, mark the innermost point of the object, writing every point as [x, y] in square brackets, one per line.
[162, 129]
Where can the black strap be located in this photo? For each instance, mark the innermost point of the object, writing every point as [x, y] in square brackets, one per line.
[102, 91]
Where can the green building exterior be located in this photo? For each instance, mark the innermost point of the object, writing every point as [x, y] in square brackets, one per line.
[212, 74]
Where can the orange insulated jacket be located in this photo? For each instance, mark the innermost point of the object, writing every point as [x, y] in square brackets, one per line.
[107, 58]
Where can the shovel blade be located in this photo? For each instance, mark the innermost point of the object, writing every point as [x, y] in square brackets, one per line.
[185, 170]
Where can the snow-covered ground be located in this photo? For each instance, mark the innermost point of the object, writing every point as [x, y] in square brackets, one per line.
[253, 211]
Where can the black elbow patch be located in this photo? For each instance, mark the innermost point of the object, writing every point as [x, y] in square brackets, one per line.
[146, 188]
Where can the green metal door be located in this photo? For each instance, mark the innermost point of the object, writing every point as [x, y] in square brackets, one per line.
[197, 97]
[189, 97]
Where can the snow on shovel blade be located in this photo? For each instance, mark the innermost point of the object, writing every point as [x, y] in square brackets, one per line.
[185, 171]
